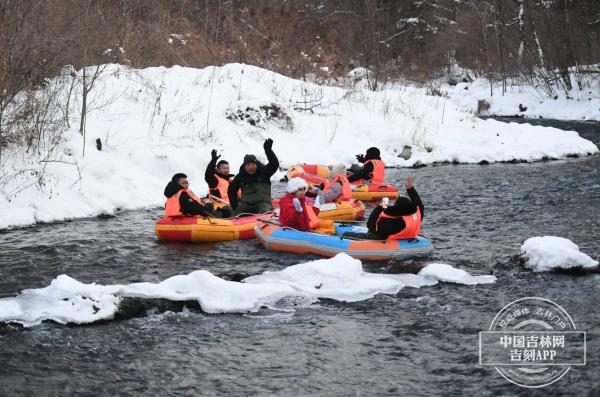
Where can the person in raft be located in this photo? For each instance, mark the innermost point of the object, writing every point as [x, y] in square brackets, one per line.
[373, 169]
[397, 222]
[183, 202]
[254, 180]
[295, 213]
[217, 177]
[337, 187]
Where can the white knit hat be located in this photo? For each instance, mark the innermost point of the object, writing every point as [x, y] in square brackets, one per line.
[296, 184]
[336, 169]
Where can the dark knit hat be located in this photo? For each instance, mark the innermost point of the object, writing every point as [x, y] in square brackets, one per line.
[250, 158]
[372, 152]
[403, 201]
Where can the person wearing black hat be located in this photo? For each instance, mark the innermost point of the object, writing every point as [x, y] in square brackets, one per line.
[217, 177]
[181, 201]
[373, 169]
[254, 179]
[401, 221]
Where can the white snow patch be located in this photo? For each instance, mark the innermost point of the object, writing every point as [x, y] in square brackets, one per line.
[341, 278]
[359, 72]
[155, 122]
[576, 105]
[546, 253]
[447, 273]
[65, 300]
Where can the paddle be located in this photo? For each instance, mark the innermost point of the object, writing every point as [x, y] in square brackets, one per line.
[269, 222]
[217, 199]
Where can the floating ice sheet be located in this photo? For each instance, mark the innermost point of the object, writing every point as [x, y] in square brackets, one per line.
[67, 300]
[547, 253]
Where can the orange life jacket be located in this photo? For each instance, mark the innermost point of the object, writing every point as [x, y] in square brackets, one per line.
[313, 220]
[346, 188]
[222, 186]
[412, 229]
[378, 174]
[172, 207]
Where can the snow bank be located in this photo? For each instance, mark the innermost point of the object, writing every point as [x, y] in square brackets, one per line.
[341, 278]
[546, 253]
[580, 105]
[447, 273]
[65, 300]
[156, 122]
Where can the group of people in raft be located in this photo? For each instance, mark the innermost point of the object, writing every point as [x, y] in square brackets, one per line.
[249, 192]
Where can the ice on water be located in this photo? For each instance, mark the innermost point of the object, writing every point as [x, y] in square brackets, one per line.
[341, 278]
[547, 253]
[449, 274]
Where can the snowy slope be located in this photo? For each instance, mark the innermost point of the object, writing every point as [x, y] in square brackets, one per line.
[577, 105]
[155, 122]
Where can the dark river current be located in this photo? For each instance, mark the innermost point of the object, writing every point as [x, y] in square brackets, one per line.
[477, 217]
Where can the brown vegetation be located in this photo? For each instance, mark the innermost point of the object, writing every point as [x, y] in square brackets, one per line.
[543, 43]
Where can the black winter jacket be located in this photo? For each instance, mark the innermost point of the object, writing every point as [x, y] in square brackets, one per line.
[366, 171]
[188, 206]
[402, 206]
[211, 179]
[256, 188]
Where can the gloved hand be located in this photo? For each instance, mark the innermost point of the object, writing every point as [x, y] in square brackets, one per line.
[268, 145]
[360, 158]
[214, 156]
[317, 203]
[297, 205]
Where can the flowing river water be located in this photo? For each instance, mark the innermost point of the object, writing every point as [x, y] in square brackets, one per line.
[418, 342]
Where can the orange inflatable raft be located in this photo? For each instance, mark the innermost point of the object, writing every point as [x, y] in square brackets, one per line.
[352, 210]
[375, 192]
[317, 174]
[199, 229]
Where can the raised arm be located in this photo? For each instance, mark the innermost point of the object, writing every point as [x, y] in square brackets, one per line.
[414, 196]
[273, 165]
[209, 174]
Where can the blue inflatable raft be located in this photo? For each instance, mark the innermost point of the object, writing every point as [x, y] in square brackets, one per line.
[279, 238]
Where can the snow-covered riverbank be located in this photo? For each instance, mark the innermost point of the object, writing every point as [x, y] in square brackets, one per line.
[525, 101]
[155, 122]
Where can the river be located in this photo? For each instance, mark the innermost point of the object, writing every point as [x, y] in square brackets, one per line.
[477, 217]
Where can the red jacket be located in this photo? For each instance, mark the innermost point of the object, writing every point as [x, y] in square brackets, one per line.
[288, 216]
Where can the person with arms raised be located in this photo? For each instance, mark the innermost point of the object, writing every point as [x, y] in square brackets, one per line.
[217, 177]
[401, 221]
[254, 180]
